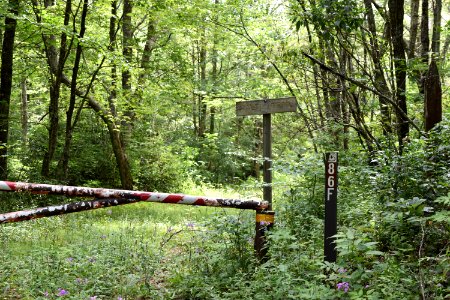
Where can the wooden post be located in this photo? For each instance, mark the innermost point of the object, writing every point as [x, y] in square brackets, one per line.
[331, 184]
[267, 154]
[264, 222]
[265, 218]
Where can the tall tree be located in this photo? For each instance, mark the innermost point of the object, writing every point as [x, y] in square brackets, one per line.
[127, 30]
[56, 62]
[396, 15]
[127, 51]
[112, 123]
[24, 110]
[202, 109]
[109, 115]
[376, 53]
[433, 96]
[413, 29]
[214, 71]
[430, 84]
[436, 36]
[424, 38]
[6, 74]
[63, 164]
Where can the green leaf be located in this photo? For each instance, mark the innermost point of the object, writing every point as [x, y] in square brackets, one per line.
[350, 234]
[374, 252]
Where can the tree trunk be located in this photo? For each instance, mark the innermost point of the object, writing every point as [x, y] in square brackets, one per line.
[413, 28]
[53, 130]
[214, 74]
[445, 48]
[148, 48]
[212, 109]
[202, 104]
[6, 74]
[63, 164]
[110, 118]
[319, 102]
[127, 42]
[126, 178]
[194, 96]
[424, 32]
[334, 106]
[123, 165]
[344, 98]
[437, 17]
[112, 47]
[379, 80]
[24, 111]
[396, 14]
[433, 97]
[56, 66]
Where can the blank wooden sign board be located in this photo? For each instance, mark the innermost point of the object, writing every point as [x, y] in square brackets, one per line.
[268, 106]
[265, 107]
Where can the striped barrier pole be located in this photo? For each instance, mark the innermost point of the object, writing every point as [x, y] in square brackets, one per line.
[108, 197]
[54, 210]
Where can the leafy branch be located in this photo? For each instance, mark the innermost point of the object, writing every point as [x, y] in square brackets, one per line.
[365, 87]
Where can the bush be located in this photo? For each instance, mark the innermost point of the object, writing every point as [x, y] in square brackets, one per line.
[159, 167]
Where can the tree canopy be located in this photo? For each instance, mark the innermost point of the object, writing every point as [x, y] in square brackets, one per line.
[142, 94]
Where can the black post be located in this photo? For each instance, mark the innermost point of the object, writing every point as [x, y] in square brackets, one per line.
[331, 184]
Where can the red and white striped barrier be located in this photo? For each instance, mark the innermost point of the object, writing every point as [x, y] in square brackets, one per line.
[108, 197]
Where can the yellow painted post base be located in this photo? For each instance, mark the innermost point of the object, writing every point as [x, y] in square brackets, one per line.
[264, 222]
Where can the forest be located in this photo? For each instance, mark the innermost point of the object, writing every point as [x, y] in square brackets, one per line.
[141, 95]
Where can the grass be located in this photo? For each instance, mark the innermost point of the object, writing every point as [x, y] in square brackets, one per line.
[125, 252]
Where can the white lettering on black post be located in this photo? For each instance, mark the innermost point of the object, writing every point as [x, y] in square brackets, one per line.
[331, 184]
[331, 173]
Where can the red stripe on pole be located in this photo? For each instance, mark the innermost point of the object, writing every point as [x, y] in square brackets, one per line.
[12, 185]
[143, 196]
[123, 196]
[173, 199]
[199, 202]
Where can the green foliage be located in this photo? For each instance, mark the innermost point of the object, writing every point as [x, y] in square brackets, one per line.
[220, 160]
[108, 253]
[356, 248]
[226, 269]
[220, 258]
[159, 167]
[393, 214]
[411, 190]
[387, 250]
[444, 214]
[301, 203]
[325, 15]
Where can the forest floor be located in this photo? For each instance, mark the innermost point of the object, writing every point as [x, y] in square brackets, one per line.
[123, 252]
[163, 251]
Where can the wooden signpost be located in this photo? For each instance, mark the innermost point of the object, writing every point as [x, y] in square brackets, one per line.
[266, 107]
[331, 184]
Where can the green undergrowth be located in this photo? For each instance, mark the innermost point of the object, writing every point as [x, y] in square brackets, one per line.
[122, 252]
[392, 242]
